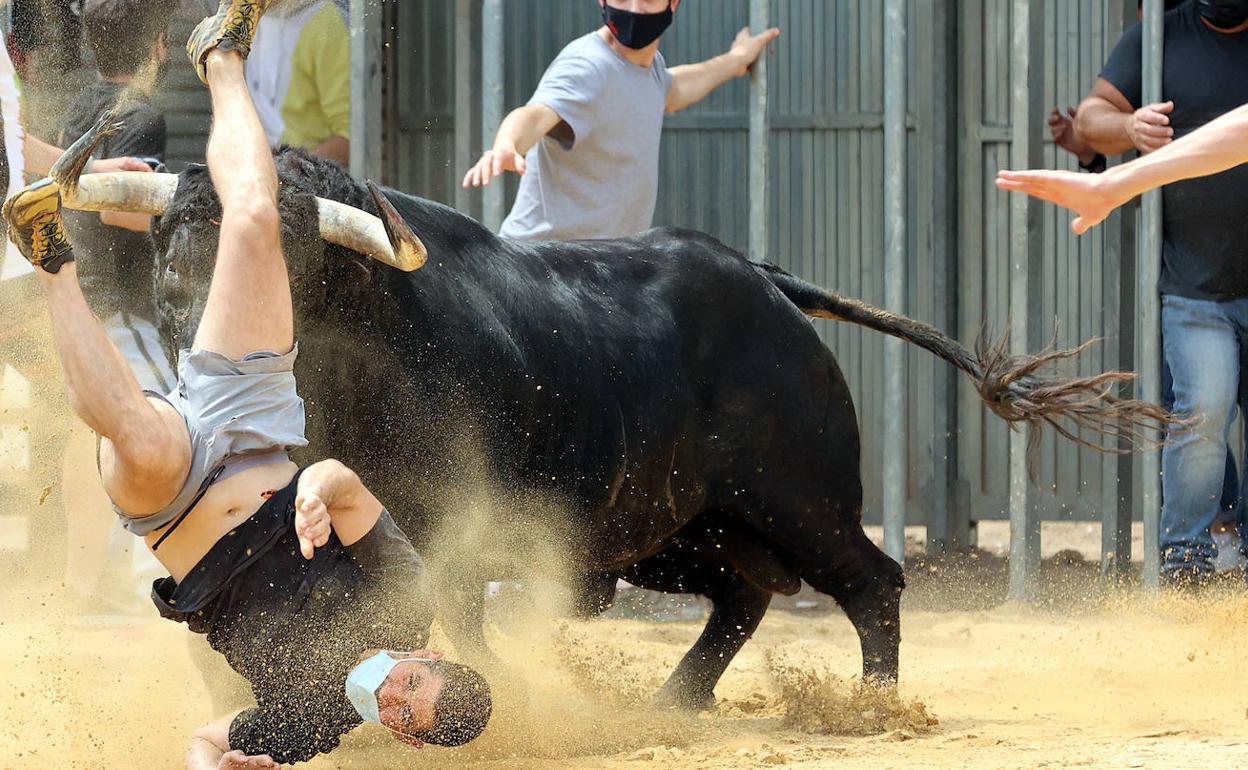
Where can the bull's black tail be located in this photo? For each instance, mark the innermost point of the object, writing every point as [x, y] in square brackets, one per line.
[1018, 389]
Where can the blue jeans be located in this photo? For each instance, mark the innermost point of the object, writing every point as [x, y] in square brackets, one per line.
[1202, 341]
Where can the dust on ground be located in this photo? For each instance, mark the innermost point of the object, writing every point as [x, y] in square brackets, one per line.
[1094, 679]
[1086, 676]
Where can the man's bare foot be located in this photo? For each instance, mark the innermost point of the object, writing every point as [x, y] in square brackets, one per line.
[231, 28]
[34, 223]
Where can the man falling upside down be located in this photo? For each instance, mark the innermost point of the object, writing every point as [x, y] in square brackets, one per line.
[300, 578]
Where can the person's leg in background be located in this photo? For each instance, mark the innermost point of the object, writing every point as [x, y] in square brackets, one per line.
[1197, 333]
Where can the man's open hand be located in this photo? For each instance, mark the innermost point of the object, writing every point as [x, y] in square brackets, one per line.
[1088, 195]
[493, 163]
[1062, 129]
[746, 48]
[312, 522]
[237, 760]
[119, 164]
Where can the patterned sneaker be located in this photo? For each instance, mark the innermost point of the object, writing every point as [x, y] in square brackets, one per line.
[231, 28]
[35, 227]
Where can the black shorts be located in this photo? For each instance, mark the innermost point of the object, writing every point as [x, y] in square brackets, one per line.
[266, 608]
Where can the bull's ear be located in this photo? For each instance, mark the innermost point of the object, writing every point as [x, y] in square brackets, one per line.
[408, 248]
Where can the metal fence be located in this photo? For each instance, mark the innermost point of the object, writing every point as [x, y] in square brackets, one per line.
[423, 107]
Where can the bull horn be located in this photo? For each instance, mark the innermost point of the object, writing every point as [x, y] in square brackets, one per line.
[123, 191]
[387, 240]
[346, 226]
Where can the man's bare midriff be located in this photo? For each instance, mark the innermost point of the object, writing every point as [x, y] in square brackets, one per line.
[224, 506]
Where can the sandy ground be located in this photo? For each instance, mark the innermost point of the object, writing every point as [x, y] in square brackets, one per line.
[1082, 679]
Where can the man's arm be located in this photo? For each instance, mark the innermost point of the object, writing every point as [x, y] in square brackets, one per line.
[210, 750]
[692, 82]
[336, 148]
[41, 156]
[1107, 123]
[331, 495]
[1219, 145]
[520, 130]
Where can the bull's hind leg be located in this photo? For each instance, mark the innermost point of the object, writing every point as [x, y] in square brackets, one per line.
[737, 608]
[867, 584]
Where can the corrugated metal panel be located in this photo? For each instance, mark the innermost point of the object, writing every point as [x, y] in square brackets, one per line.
[420, 101]
[1075, 299]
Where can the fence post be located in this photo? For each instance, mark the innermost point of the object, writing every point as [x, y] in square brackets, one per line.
[758, 138]
[894, 465]
[463, 99]
[492, 103]
[366, 109]
[1148, 331]
[1026, 124]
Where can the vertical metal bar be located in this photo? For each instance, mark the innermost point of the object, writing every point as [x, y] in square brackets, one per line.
[463, 99]
[1026, 74]
[1148, 334]
[492, 102]
[1120, 341]
[894, 466]
[942, 524]
[758, 138]
[969, 257]
[366, 109]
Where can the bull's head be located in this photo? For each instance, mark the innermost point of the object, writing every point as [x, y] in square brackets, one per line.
[188, 213]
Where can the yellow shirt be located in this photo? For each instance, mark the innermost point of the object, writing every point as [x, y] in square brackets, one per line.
[318, 100]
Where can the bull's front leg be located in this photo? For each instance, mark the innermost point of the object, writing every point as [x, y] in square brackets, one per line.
[461, 611]
[737, 609]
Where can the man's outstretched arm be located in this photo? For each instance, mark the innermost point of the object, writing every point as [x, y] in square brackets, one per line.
[519, 131]
[692, 82]
[210, 750]
[1219, 145]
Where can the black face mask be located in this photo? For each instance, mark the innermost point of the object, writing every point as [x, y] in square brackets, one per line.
[636, 30]
[1223, 14]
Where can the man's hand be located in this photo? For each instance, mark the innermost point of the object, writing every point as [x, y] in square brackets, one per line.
[1062, 129]
[312, 522]
[1149, 128]
[118, 164]
[503, 157]
[1088, 195]
[237, 760]
[746, 48]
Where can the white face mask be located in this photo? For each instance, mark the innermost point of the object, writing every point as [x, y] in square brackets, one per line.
[367, 677]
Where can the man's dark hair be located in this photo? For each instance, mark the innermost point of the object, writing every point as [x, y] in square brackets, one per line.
[463, 707]
[123, 32]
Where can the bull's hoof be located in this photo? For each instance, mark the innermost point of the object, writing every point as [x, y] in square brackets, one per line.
[676, 698]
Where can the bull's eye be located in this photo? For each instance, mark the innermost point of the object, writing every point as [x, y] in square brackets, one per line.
[171, 271]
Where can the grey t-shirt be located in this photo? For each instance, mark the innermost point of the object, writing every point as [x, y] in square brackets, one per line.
[604, 181]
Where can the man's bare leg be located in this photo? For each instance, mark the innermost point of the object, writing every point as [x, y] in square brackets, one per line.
[146, 450]
[249, 305]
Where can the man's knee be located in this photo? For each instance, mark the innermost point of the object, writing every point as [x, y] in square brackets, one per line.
[252, 209]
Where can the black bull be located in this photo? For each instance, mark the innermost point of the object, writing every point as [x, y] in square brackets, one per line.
[668, 393]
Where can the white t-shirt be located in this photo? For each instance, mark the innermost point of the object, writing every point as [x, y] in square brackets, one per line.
[14, 263]
[604, 183]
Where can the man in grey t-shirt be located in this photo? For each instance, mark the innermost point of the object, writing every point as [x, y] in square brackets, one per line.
[587, 143]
